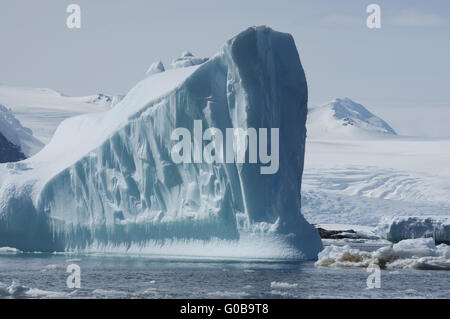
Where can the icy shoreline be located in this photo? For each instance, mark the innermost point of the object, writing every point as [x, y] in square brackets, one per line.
[419, 253]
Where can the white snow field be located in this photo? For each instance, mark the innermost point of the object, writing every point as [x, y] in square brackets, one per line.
[17, 134]
[42, 110]
[360, 173]
[106, 182]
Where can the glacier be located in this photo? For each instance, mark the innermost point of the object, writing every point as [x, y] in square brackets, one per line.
[106, 182]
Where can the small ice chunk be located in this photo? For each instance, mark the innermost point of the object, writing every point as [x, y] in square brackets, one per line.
[282, 285]
[156, 67]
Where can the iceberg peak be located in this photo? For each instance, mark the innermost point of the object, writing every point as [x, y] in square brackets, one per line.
[187, 59]
[155, 67]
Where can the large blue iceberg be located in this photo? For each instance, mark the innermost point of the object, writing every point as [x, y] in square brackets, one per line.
[106, 181]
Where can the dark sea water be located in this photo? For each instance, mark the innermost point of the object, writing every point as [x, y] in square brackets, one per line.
[44, 276]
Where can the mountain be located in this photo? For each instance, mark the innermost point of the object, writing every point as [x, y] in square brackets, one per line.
[16, 141]
[9, 152]
[108, 182]
[344, 118]
[42, 110]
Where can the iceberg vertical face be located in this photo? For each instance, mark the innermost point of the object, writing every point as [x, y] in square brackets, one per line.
[107, 181]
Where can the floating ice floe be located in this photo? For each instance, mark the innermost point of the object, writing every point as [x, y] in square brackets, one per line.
[18, 290]
[282, 285]
[9, 250]
[106, 181]
[398, 228]
[421, 253]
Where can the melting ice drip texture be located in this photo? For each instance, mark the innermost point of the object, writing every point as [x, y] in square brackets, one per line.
[106, 181]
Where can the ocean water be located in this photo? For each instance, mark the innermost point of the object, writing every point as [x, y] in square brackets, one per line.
[44, 276]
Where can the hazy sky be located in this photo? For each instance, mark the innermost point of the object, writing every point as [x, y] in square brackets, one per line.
[407, 59]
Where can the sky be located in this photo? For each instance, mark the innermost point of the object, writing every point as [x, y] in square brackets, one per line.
[405, 62]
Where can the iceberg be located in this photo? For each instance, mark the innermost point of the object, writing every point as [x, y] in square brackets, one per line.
[420, 253]
[407, 227]
[106, 181]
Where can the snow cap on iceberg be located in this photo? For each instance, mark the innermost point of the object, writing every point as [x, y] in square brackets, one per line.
[398, 228]
[187, 59]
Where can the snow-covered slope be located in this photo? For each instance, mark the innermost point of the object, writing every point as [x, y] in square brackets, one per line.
[18, 142]
[359, 181]
[155, 67]
[42, 110]
[344, 118]
[106, 180]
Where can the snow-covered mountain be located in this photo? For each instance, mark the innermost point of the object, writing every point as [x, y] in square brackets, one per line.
[358, 171]
[17, 141]
[42, 110]
[155, 67]
[106, 181]
[344, 118]
[9, 152]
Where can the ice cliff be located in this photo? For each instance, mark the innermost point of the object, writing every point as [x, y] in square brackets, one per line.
[106, 181]
[16, 141]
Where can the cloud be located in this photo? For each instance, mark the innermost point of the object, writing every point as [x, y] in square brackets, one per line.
[415, 18]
